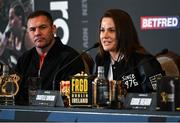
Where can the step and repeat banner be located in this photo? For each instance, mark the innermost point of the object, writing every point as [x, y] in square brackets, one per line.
[77, 21]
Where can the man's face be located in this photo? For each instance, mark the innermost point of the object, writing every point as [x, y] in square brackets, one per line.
[41, 31]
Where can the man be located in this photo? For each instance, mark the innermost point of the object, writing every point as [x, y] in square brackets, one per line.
[46, 59]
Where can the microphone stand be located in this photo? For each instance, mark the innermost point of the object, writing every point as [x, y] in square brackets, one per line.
[73, 60]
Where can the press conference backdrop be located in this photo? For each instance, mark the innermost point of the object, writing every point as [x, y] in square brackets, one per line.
[157, 21]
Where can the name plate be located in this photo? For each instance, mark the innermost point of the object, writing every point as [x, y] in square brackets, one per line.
[80, 92]
[47, 98]
[144, 101]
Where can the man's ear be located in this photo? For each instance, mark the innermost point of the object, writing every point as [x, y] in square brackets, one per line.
[54, 29]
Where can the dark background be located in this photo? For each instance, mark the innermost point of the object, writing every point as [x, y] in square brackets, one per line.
[86, 14]
[83, 21]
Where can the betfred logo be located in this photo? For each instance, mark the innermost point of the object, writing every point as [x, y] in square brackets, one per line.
[159, 22]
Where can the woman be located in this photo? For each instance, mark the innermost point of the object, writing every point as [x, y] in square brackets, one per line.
[15, 39]
[122, 55]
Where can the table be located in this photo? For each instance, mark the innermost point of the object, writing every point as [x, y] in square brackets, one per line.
[61, 114]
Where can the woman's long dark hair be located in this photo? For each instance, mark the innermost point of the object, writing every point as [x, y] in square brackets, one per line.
[126, 33]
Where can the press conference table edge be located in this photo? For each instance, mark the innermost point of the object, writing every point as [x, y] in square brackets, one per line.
[39, 113]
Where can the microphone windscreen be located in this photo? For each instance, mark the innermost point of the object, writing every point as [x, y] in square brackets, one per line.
[96, 45]
[164, 51]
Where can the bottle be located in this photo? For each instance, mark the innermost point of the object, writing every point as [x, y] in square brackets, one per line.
[166, 94]
[102, 89]
[94, 93]
[5, 71]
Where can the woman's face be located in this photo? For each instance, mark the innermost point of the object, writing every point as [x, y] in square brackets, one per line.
[108, 34]
[14, 20]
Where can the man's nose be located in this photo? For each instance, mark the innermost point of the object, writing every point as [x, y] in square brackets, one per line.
[37, 31]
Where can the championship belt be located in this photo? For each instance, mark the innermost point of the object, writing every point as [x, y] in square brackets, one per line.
[9, 85]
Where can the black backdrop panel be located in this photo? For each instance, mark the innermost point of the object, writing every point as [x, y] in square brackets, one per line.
[78, 20]
[84, 15]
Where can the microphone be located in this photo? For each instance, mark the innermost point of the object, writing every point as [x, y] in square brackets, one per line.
[71, 62]
[164, 51]
[94, 46]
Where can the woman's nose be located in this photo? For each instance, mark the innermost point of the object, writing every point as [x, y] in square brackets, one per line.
[105, 34]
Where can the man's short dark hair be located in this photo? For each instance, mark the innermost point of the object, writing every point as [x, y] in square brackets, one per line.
[41, 13]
